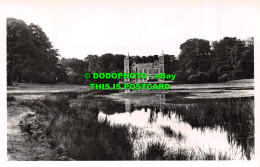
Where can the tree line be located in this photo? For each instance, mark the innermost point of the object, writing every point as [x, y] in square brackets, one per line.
[223, 60]
[106, 63]
[32, 58]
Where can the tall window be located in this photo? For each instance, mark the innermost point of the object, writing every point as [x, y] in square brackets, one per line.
[161, 69]
[145, 70]
[150, 71]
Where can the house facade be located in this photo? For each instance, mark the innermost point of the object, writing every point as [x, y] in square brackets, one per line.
[151, 69]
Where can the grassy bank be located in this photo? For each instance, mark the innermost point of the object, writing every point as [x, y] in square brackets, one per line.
[75, 132]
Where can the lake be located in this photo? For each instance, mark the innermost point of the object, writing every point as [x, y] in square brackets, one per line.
[159, 116]
[200, 121]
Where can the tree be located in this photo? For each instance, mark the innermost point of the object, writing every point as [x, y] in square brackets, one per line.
[18, 46]
[150, 59]
[117, 64]
[194, 53]
[94, 63]
[242, 60]
[233, 59]
[235, 54]
[78, 65]
[106, 60]
[30, 55]
[170, 64]
[221, 51]
[44, 57]
[137, 59]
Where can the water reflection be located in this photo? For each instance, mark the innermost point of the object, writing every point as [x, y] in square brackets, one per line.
[186, 125]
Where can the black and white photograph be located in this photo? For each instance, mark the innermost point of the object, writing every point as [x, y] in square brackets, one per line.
[122, 80]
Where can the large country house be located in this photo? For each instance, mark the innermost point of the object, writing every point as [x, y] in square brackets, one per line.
[151, 69]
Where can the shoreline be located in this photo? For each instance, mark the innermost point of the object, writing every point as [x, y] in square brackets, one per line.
[18, 145]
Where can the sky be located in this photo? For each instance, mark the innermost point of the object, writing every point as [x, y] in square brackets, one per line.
[79, 28]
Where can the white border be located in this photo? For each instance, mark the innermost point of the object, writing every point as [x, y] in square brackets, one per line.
[3, 115]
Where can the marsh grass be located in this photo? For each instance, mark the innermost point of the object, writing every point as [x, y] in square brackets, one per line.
[154, 151]
[88, 139]
[159, 151]
[184, 154]
[76, 132]
[235, 116]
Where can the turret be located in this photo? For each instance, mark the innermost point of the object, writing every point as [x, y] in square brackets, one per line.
[127, 66]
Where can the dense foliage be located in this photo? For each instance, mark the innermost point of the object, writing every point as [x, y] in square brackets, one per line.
[32, 58]
[30, 55]
[106, 63]
[227, 59]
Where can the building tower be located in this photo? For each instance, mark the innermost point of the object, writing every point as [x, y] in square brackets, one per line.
[127, 66]
[161, 64]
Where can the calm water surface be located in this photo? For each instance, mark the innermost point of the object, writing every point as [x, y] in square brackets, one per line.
[151, 122]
